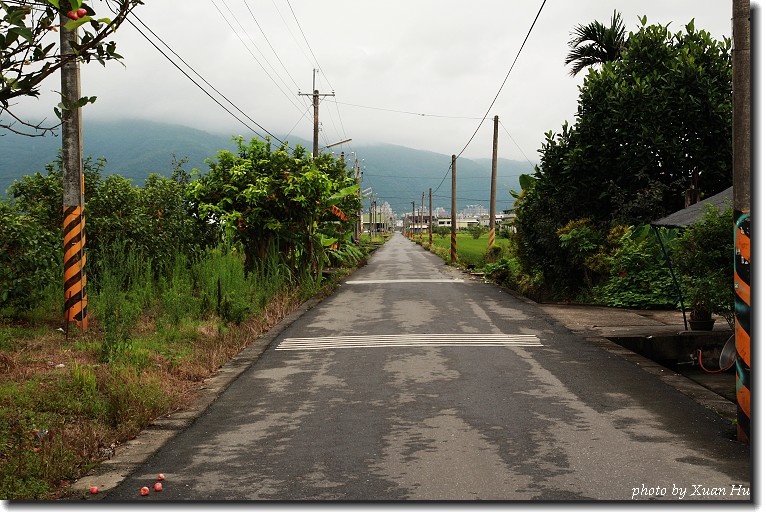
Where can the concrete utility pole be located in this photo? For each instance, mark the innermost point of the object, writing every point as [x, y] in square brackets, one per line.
[315, 95]
[453, 243]
[741, 147]
[358, 227]
[430, 216]
[75, 299]
[412, 226]
[493, 194]
[373, 222]
[422, 213]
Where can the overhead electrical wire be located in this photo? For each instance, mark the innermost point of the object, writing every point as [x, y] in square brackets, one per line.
[534, 22]
[340, 118]
[269, 43]
[300, 47]
[306, 40]
[206, 92]
[516, 144]
[408, 112]
[287, 96]
[245, 115]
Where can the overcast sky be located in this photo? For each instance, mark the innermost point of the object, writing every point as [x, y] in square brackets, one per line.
[445, 59]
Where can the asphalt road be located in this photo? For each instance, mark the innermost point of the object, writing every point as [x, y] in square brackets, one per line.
[413, 382]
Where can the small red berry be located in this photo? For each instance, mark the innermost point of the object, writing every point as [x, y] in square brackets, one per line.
[161, 476]
[144, 491]
[81, 12]
[72, 15]
[158, 487]
[93, 490]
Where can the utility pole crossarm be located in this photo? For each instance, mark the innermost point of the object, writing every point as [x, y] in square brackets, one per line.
[315, 97]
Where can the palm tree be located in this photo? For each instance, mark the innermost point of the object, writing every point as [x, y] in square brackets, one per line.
[595, 43]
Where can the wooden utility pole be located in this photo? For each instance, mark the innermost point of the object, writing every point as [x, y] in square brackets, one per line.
[422, 213]
[412, 226]
[741, 147]
[493, 190]
[430, 216]
[453, 240]
[75, 299]
[358, 227]
[315, 96]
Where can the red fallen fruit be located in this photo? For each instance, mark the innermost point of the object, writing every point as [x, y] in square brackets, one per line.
[81, 12]
[158, 487]
[161, 476]
[93, 490]
[72, 15]
[144, 491]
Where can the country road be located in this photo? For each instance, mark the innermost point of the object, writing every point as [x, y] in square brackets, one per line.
[414, 382]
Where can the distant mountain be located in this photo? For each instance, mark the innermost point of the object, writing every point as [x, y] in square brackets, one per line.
[134, 149]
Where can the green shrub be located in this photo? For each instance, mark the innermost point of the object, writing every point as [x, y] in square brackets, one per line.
[705, 261]
[639, 276]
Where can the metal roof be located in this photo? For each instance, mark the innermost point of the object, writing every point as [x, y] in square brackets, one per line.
[695, 212]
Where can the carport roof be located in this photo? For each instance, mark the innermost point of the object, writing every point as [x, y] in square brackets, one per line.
[695, 212]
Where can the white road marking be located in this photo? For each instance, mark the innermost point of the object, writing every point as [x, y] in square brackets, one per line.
[411, 340]
[376, 281]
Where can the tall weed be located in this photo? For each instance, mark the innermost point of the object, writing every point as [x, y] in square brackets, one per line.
[177, 293]
[120, 299]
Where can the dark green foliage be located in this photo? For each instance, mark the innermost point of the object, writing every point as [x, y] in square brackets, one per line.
[271, 200]
[651, 128]
[639, 276]
[30, 257]
[705, 261]
[595, 43]
[476, 231]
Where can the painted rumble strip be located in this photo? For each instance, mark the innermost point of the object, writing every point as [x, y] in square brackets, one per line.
[368, 282]
[403, 341]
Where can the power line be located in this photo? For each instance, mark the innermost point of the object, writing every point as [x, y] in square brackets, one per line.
[340, 118]
[506, 76]
[517, 145]
[316, 61]
[292, 35]
[198, 75]
[408, 112]
[288, 97]
[270, 45]
[534, 22]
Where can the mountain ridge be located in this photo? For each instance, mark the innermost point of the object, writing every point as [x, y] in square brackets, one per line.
[135, 148]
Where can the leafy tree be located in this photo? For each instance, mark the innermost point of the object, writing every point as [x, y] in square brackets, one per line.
[652, 128]
[157, 221]
[277, 201]
[595, 43]
[662, 117]
[29, 52]
[30, 255]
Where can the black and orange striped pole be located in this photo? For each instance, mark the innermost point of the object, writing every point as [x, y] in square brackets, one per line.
[741, 148]
[742, 322]
[75, 299]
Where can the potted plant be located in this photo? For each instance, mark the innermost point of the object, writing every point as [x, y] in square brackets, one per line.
[705, 260]
[700, 292]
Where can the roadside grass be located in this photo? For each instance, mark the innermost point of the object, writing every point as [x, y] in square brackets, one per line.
[471, 252]
[67, 403]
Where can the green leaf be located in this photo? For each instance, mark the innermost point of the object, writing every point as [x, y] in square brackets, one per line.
[54, 3]
[526, 181]
[74, 24]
